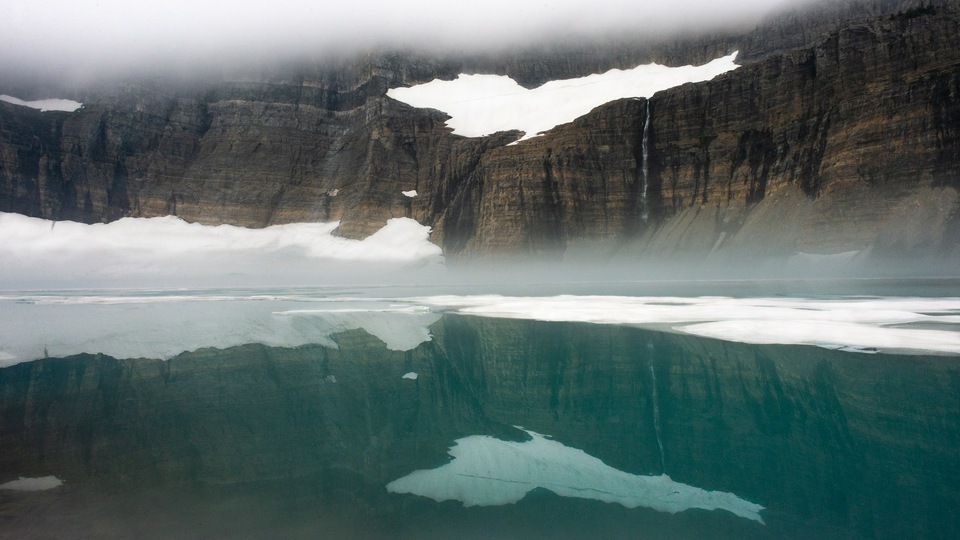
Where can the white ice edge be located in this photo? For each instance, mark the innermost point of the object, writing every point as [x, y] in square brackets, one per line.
[486, 471]
[829, 334]
[43, 105]
[163, 330]
[162, 326]
[479, 105]
[32, 484]
[856, 324]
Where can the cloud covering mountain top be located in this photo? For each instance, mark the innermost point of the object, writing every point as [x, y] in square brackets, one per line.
[117, 34]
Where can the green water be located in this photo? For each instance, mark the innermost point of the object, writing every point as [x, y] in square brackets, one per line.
[261, 442]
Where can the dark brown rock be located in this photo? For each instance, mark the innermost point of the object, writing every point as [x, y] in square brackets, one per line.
[847, 145]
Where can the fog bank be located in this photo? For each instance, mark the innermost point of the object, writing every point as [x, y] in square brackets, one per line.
[111, 36]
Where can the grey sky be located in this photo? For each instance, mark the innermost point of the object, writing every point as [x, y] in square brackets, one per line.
[102, 34]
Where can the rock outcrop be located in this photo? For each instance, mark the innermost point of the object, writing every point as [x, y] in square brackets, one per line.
[849, 144]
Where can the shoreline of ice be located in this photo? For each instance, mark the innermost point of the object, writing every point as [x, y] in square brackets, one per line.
[860, 325]
[156, 325]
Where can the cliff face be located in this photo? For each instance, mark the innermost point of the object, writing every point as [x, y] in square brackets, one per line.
[851, 144]
[847, 145]
[844, 146]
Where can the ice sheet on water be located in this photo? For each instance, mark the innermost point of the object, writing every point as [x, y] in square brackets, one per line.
[400, 329]
[149, 329]
[862, 324]
[483, 104]
[487, 471]
[854, 337]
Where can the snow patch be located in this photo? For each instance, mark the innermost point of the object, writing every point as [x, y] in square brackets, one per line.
[43, 105]
[412, 193]
[486, 471]
[168, 248]
[32, 484]
[479, 105]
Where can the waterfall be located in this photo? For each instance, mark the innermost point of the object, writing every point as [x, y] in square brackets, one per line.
[656, 413]
[645, 167]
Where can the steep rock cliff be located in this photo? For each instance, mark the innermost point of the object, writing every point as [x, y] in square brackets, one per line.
[847, 145]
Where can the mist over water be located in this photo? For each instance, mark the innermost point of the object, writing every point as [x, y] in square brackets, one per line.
[160, 379]
[280, 393]
[169, 253]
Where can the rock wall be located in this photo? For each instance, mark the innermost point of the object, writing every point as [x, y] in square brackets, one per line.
[847, 145]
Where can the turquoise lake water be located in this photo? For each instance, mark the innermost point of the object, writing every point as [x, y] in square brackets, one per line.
[392, 414]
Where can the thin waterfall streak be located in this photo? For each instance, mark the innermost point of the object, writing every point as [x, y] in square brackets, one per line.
[645, 167]
[656, 418]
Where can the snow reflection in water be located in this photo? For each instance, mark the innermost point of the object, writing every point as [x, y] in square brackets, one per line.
[487, 471]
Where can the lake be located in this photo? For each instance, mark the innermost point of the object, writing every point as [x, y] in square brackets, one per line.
[624, 411]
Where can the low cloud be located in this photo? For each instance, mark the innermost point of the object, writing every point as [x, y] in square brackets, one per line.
[88, 36]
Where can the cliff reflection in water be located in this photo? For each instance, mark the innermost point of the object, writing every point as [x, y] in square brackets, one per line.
[254, 440]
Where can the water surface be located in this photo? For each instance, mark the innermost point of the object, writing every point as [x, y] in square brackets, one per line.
[348, 413]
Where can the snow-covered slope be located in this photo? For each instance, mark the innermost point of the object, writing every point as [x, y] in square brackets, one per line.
[66, 105]
[483, 104]
[171, 252]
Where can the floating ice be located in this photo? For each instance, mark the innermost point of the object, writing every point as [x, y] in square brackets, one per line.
[32, 484]
[486, 471]
[411, 375]
[483, 104]
[889, 324]
[400, 329]
[43, 105]
[162, 327]
[852, 337]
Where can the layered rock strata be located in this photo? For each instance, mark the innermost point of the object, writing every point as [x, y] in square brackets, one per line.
[848, 145]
